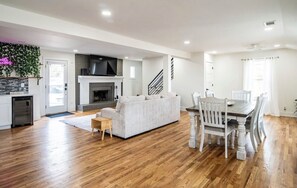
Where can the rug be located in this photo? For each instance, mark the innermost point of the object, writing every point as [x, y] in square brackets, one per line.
[59, 115]
[83, 122]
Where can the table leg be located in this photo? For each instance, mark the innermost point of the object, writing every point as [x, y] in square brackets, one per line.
[103, 132]
[110, 133]
[197, 125]
[193, 131]
[241, 153]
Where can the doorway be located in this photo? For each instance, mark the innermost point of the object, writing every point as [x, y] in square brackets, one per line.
[209, 76]
[56, 91]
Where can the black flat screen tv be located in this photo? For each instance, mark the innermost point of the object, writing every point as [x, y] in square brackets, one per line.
[103, 66]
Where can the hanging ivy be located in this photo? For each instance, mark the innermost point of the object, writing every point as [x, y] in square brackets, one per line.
[25, 59]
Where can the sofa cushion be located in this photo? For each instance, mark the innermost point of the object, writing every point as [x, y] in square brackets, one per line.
[125, 99]
[151, 97]
[168, 95]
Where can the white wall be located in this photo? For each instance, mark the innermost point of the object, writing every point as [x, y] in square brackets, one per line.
[188, 75]
[35, 89]
[229, 75]
[132, 86]
[150, 68]
[188, 78]
[70, 58]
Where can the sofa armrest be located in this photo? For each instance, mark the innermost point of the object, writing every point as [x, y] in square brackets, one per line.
[110, 113]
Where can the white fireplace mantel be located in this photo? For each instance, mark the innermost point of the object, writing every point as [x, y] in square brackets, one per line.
[84, 85]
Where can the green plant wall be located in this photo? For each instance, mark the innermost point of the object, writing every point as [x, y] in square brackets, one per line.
[25, 59]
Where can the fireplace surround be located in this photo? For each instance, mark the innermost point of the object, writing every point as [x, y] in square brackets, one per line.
[109, 87]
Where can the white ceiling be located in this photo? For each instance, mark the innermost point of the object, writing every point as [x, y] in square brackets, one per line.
[65, 43]
[224, 25]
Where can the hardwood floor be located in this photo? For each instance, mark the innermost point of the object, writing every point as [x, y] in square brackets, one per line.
[52, 154]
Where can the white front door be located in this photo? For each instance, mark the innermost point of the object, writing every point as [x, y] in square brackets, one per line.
[56, 90]
[209, 76]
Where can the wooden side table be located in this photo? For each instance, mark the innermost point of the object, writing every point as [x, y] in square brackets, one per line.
[101, 124]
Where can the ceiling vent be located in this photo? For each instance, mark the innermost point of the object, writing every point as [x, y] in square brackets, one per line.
[255, 46]
[270, 23]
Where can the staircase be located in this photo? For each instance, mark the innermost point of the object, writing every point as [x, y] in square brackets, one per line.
[156, 85]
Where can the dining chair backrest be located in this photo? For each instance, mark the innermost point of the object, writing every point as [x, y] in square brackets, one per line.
[255, 115]
[242, 95]
[211, 110]
[195, 96]
[261, 110]
[209, 93]
[261, 129]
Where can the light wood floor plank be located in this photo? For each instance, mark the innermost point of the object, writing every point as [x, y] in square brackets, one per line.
[52, 154]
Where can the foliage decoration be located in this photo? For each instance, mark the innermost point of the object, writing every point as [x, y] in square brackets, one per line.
[24, 58]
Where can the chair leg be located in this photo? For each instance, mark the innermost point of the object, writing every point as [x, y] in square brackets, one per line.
[262, 128]
[226, 147]
[259, 132]
[209, 138]
[202, 141]
[253, 141]
[218, 140]
[257, 135]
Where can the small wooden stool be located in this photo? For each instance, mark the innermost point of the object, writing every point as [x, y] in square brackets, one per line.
[101, 124]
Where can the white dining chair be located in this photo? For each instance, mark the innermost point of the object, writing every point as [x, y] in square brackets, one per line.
[251, 125]
[195, 96]
[211, 116]
[261, 129]
[242, 95]
[209, 93]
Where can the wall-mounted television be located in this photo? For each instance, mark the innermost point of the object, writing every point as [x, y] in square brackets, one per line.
[103, 66]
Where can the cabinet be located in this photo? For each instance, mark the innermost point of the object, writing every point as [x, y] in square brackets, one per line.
[5, 115]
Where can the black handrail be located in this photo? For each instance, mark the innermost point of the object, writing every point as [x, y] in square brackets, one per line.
[156, 85]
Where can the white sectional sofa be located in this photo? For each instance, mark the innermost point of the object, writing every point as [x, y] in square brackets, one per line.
[137, 114]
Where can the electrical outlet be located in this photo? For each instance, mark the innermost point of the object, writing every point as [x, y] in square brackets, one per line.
[285, 108]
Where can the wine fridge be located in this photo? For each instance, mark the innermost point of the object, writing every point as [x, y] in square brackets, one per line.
[22, 111]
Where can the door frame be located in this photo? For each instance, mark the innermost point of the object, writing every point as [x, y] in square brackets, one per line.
[46, 60]
[205, 75]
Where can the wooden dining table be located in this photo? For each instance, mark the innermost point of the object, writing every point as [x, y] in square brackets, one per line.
[240, 111]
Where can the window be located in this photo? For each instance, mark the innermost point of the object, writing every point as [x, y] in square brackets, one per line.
[259, 77]
[258, 86]
[132, 72]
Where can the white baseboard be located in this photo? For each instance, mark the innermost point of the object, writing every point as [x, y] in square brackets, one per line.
[288, 114]
[182, 108]
[5, 127]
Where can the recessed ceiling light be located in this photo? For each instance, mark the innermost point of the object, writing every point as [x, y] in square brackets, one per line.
[268, 28]
[126, 57]
[187, 42]
[106, 13]
[277, 45]
[75, 50]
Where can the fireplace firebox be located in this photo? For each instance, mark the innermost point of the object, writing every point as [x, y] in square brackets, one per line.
[101, 92]
[101, 95]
